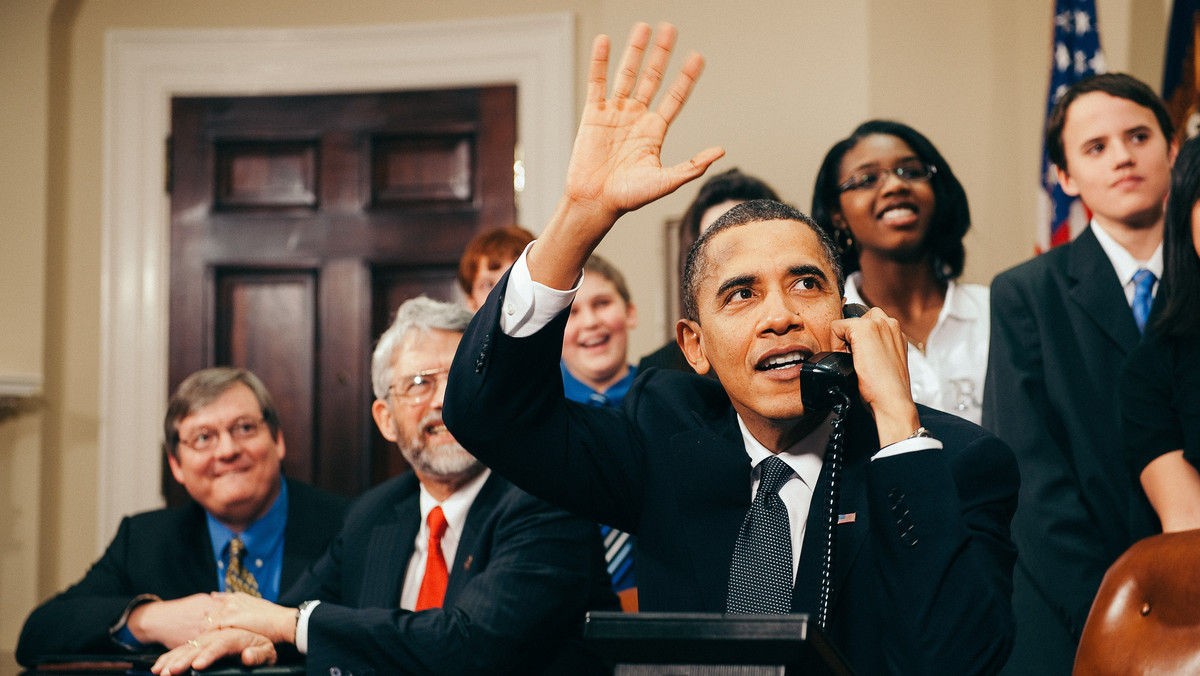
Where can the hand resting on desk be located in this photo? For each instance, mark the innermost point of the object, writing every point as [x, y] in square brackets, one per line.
[203, 651]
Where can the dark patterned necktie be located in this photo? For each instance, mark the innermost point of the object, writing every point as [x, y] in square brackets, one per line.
[237, 578]
[760, 577]
[1143, 298]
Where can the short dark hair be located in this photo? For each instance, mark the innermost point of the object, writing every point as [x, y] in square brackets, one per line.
[599, 266]
[731, 184]
[1181, 264]
[951, 213]
[753, 211]
[728, 185]
[203, 388]
[1119, 85]
[498, 247]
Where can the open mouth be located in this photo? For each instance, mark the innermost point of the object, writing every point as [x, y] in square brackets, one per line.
[782, 361]
[899, 214]
[596, 341]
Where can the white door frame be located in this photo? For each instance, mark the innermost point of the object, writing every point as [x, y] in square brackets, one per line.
[145, 68]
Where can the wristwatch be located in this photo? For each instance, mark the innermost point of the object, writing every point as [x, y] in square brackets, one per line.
[921, 433]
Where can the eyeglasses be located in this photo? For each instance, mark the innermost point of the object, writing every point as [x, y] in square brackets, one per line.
[206, 438]
[869, 179]
[417, 388]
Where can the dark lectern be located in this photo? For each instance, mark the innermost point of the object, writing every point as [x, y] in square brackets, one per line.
[711, 644]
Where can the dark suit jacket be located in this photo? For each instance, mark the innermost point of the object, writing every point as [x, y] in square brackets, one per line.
[670, 466]
[167, 553]
[522, 578]
[669, 356]
[1061, 327]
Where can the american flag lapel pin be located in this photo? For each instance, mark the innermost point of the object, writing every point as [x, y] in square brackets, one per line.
[847, 518]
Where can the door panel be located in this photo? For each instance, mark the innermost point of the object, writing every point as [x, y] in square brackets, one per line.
[299, 223]
[265, 322]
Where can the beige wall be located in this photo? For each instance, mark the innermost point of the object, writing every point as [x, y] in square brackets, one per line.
[786, 78]
[24, 85]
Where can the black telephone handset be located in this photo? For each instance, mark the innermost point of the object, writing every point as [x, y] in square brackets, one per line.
[827, 381]
[826, 372]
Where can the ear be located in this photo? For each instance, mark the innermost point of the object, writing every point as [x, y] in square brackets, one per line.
[630, 316]
[687, 334]
[1066, 182]
[383, 420]
[839, 222]
[1173, 150]
[280, 446]
[176, 469]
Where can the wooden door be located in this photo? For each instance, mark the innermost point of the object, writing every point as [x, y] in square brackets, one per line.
[298, 224]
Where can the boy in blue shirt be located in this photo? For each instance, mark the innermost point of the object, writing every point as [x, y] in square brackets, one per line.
[596, 371]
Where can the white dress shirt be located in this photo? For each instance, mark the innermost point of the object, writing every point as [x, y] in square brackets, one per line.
[949, 374]
[1126, 265]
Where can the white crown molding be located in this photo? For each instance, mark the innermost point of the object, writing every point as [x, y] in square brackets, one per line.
[145, 68]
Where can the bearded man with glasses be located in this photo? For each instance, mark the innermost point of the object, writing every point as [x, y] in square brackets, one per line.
[247, 529]
[447, 569]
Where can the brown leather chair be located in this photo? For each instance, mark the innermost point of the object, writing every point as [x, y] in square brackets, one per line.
[1146, 616]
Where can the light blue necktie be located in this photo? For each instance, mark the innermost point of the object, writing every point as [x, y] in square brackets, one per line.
[1143, 286]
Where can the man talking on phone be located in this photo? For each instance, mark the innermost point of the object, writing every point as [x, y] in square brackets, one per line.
[717, 478]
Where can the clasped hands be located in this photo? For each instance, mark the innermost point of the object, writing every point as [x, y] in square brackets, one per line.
[239, 624]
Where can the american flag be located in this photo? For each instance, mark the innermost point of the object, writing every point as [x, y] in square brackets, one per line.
[1076, 55]
[1181, 74]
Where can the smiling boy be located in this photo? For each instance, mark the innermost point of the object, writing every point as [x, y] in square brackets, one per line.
[1062, 324]
[595, 367]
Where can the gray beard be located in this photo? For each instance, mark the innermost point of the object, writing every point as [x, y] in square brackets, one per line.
[444, 461]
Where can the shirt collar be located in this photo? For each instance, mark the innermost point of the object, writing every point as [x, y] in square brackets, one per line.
[576, 390]
[455, 507]
[261, 536]
[956, 305]
[805, 456]
[1122, 261]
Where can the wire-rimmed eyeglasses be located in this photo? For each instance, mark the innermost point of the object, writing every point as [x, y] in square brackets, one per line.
[870, 179]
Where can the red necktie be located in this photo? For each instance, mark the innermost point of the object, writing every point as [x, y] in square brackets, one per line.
[433, 585]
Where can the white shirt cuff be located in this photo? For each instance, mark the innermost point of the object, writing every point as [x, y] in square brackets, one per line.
[529, 306]
[302, 627]
[907, 446]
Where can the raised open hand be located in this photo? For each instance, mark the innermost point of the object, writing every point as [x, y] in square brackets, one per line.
[616, 162]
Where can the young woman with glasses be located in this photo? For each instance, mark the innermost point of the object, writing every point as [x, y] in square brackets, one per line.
[899, 215]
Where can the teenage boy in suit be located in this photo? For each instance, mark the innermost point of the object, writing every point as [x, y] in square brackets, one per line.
[1062, 325]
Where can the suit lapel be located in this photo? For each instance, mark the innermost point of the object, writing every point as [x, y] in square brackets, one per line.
[478, 515]
[202, 569]
[712, 480]
[1097, 291]
[300, 547]
[390, 549]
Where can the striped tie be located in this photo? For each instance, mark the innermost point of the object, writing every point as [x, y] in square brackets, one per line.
[618, 557]
[237, 578]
